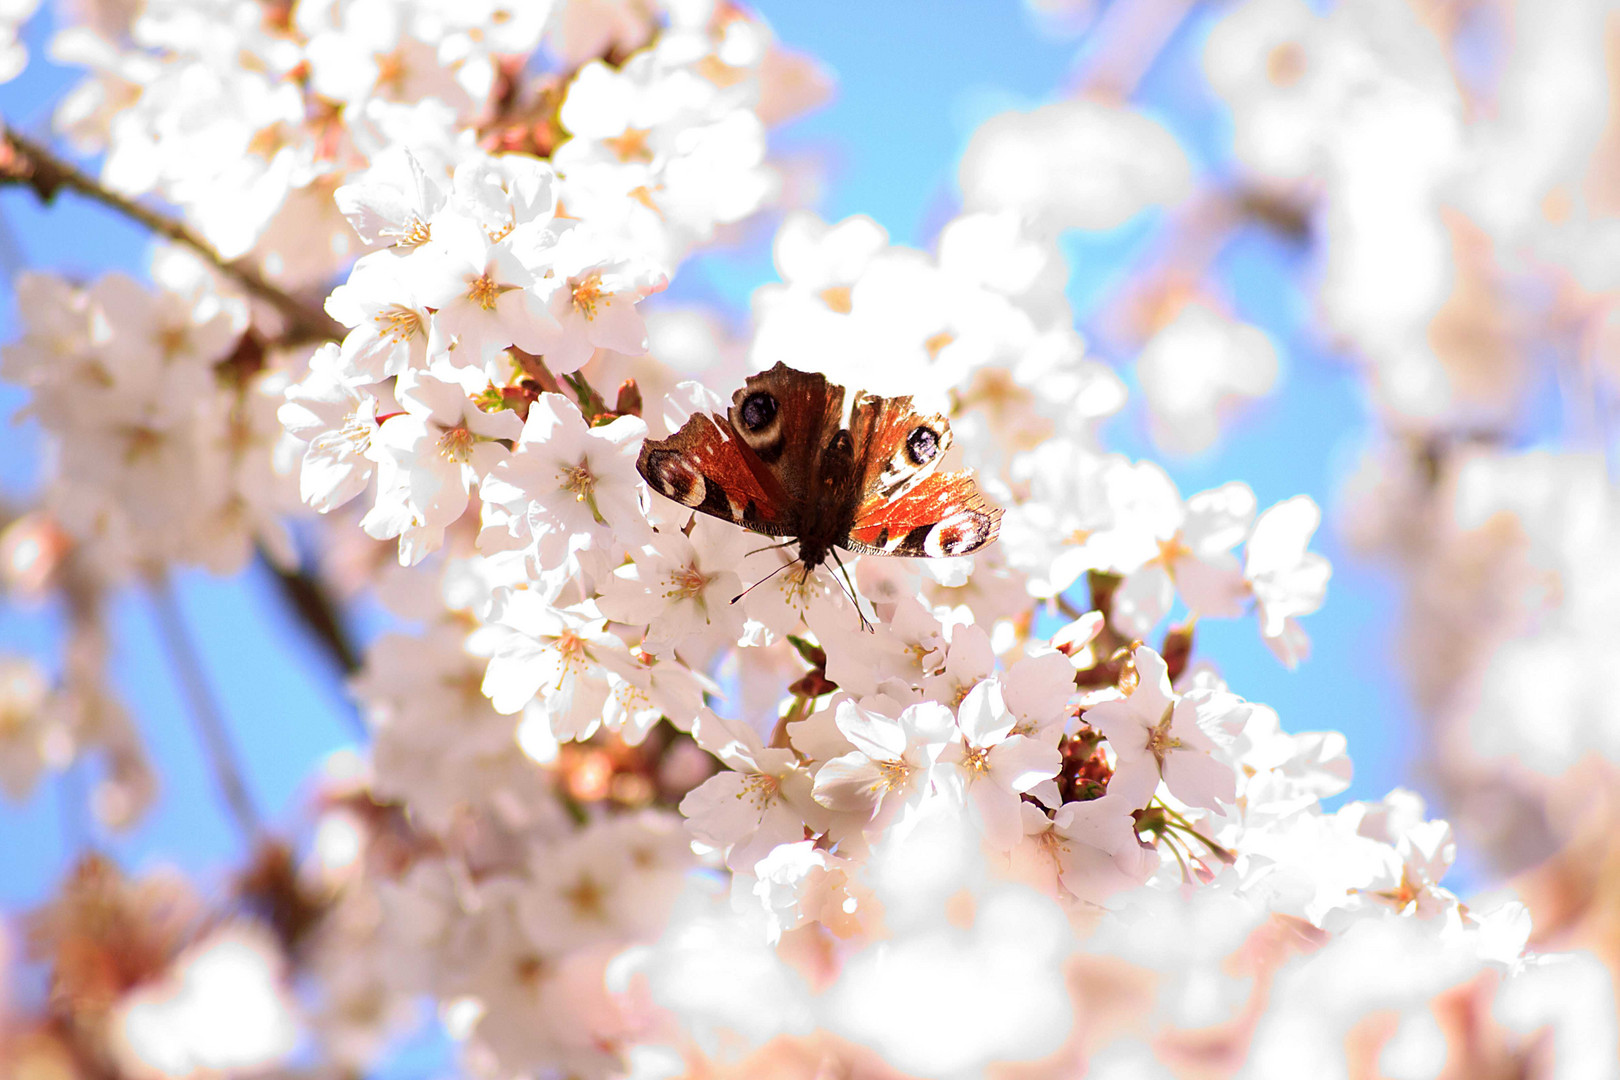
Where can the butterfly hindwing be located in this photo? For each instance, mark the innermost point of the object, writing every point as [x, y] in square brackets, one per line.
[939, 515]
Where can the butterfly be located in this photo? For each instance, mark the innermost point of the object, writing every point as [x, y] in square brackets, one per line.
[787, 460]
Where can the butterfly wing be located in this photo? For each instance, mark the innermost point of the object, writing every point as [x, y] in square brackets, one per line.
[895, 445]
[938, 515]
[906, 506]
[756, 465]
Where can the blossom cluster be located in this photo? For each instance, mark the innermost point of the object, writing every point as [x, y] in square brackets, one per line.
[639, 794]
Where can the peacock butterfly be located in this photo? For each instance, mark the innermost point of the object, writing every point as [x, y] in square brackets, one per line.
[784, 462]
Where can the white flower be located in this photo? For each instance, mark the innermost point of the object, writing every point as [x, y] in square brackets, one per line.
[1157, 735]
[1037, 690]
[569, 487]
[1092, 845]
[680, 586]
[576, 895]
[647, 690]
[1287, 580]
[504, 193]
[892, 766]
[393, 202]
[1064, 528]
[559, 655]
[338, 421]
[484, 298]
[390, 328]
[1195, 368]
[595, 303]
[992, 767]
[429, 457]
[1188, 548]
[800, 883]
[1417, 855]
[224, 1006]
[969, 659]
[762, 800]
[1075, 164]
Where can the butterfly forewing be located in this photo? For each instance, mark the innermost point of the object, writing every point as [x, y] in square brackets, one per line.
[707, 467]
[895, 445]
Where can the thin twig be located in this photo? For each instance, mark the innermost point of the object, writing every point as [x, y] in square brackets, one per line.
[206, 716]
[24, 161]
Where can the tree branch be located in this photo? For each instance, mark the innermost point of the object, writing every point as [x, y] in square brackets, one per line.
[24, 161]
[207, 719]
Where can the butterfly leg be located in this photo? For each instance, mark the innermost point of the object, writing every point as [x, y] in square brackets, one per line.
[849, 590]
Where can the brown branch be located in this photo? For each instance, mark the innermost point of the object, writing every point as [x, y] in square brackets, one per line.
[316, 609]
[24, 161]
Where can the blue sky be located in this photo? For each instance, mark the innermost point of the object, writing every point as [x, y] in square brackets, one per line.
[914, 77]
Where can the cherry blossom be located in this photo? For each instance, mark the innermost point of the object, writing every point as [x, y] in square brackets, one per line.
[680, 586]
[558, 655]
[892, 766]
[429, 457]
[632, 792]
[763, 800]
[568, 487]
[993, 766]
[1287, 580]
[339, 422]
[1160, 737]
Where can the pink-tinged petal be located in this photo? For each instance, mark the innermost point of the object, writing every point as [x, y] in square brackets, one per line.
[849, 784]
[1212, 586]
[516, 672]
[879, 737]
[1105, 823]
[331, 476]
[1142, 599]
[1153, 694]
[719, 811]
[928, 728]
[1281, 534]
[618, 325]
[430, 396]
[1038, 688]
[983, 715]
[780, 824]
[1185, 726]
[999, 814]
[1198, 779]
[1291, 645]
[1020, 762]
[1135, 780]
[1219, 519]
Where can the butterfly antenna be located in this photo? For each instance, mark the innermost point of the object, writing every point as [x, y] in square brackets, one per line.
[773, 547]
[849, 591]
[763, 580]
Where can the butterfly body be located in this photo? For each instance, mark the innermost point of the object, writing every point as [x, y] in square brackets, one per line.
[789, 460]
